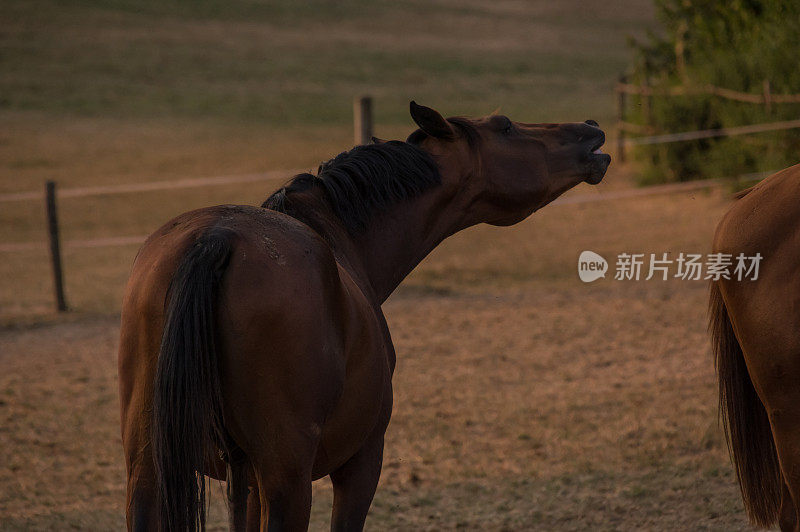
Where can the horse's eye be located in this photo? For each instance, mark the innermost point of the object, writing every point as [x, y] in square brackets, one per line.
[508, 127]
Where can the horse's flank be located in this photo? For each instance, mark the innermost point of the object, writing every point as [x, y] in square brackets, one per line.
[754, 325]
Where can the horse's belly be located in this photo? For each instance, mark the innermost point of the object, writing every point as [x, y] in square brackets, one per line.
[364, 407]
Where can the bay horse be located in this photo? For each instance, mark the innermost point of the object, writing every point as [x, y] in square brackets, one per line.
[755, 326]
[253, 346]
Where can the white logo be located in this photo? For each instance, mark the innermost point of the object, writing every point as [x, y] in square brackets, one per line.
[686, 266]
[591, 266]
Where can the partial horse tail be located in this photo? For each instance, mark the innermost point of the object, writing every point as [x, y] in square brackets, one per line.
[187, 428]
[745, 421]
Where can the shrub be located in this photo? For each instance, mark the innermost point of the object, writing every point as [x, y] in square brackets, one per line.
[735, 44]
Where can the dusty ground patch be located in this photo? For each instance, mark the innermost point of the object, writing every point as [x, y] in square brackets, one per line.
[524, 398]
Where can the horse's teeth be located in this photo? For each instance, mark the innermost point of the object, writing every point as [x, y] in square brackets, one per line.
[598, 151]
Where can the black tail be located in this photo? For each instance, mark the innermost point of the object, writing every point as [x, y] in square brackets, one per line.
[745, 421]
[187, 428]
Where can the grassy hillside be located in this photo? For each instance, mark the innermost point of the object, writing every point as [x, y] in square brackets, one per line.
[119, 91]
[245, 72]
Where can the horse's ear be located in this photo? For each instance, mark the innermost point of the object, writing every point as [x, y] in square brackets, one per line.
[376, 140]
[431, 122]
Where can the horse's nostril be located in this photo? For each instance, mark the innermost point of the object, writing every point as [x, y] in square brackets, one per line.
[592, 123]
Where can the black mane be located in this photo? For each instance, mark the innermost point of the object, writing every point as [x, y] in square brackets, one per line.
[360, 182]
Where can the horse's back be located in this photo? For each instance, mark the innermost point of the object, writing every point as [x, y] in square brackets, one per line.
[279, 273]
[283, 312]
[765, 218]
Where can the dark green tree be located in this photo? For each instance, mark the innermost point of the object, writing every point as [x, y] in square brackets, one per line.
[734, 44]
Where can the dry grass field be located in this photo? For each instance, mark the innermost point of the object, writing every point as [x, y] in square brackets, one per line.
[524, 399]
[122, 91]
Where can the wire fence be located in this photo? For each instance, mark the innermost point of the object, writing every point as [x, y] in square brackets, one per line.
[711, 133]
[266, 176]
[363, 131]
[765, 98]
[647, 93]
[151, 186]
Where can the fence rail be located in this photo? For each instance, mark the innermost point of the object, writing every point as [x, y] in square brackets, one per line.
[362, 133]
[597, 197]
[152, 186]
[623, 88]
[764, 97]
[113, 241]
[712, 133]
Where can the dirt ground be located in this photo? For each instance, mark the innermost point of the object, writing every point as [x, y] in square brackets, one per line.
[524, 398]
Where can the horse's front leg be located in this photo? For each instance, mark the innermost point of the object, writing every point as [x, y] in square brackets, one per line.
[354, 484]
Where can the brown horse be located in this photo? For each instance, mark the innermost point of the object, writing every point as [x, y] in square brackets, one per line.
[253, 345]
[756, 335]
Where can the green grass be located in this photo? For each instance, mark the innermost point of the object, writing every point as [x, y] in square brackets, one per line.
[119, 91]
[287, 63]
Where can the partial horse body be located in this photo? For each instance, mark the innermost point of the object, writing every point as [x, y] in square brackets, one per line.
[756, 336]
[253, 346]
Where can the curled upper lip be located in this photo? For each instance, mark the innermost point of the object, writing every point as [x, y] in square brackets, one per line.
[597, 161]
[598, 142]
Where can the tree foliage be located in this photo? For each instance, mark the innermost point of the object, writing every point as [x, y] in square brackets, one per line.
[734, 44]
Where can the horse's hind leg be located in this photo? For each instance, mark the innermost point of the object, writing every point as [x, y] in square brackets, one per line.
[354, 485]
[786, 430]
[789, 518]
[765, 320]
[142, 498]
[775, 371]
[243, 501]
[285, 500]
[776, 375]
[237, 493]
[283, 476]
[253, 510]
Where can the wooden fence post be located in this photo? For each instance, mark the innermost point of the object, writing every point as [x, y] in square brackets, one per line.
[362, 120]
[620, 119]
[647, 108]
[55, 244]
[767, 97]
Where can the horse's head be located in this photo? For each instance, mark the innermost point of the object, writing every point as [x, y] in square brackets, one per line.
[510, 169]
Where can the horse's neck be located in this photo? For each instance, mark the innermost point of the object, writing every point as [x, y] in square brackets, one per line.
[395, 241]
[399, 239]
